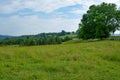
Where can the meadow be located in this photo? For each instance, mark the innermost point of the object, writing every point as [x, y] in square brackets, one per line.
[77, 60]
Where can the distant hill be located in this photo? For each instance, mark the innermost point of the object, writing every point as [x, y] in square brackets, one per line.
[39, 39]
[4, 37]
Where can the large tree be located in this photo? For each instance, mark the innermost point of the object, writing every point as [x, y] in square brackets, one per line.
[99, 21]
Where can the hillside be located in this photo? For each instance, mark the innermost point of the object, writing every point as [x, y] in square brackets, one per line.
[75, 61]
[4, 37]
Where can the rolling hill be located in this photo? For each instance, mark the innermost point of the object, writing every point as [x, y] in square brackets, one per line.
[4, 37]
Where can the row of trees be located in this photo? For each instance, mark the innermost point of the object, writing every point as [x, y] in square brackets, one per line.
[28, 41]
[40, 39]
[99, 21]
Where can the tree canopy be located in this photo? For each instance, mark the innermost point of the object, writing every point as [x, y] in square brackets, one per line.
[99, 21]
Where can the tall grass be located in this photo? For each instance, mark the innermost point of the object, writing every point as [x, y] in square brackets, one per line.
[75, 61]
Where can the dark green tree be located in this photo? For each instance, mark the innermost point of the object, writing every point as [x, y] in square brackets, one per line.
[99, 21]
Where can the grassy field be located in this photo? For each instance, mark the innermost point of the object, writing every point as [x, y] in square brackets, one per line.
[76, 61]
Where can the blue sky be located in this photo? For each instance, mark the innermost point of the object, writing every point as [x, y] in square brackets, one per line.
[22, 17]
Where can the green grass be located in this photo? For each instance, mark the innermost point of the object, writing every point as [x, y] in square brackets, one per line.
[69, 35]
[75, 61]
[75, 41]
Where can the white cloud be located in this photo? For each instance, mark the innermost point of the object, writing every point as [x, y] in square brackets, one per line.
[78, 11]
[117, 32]
[112, 1]
[48, 5]
[16, 25]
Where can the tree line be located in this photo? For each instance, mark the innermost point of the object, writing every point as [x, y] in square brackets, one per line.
[40, 39]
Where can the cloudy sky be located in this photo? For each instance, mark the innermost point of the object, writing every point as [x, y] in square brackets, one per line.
[22, 17]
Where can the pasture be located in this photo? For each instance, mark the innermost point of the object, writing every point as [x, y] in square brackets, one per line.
[70, 61]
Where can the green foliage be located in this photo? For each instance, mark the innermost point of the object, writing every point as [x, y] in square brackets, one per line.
[81, 61]
[40, 39]
[99, 21]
